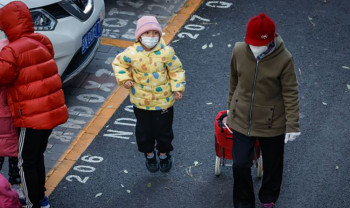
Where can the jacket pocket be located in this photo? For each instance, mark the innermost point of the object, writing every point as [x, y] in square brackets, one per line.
[262, 116]
[239, 112]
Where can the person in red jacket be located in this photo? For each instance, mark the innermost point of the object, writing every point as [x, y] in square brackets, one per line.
[34, 95]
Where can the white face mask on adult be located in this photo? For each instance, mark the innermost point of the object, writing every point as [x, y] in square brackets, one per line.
[149, 42]
[257, 50]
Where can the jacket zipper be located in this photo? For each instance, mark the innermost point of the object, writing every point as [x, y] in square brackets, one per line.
[252, 99]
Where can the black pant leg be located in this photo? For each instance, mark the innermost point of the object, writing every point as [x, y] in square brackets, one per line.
[272, 153]
[44, 136]
[163, 128]
[30, 152]
[14, 177]
[243, 152]
[143, 131]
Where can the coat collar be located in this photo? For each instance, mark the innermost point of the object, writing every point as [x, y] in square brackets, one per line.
[275, 48]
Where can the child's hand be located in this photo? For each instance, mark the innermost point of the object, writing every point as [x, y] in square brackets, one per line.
[128, 84]
[178, 95]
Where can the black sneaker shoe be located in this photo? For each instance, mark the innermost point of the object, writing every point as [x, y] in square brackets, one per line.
[165, 164]
[152, 164]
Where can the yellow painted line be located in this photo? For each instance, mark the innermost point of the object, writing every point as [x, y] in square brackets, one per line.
[178, 20]
[116, 42]
[91, 130]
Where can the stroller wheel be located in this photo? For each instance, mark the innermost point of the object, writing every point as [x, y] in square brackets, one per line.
[259, 167]
[217, 165]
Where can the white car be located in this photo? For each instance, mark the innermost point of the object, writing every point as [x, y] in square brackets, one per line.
[74, 28]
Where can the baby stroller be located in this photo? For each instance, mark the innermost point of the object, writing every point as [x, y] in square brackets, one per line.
[223, 145]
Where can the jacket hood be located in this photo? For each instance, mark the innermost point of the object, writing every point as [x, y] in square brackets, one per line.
[279, 45]
[278, 48]
[31, 3]
[16, 20]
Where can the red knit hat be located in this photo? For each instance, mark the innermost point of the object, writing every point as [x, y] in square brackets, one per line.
[261, 30]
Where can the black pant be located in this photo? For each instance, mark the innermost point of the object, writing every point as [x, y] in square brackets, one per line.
[14, 177]
[152, 126]
[272, 149]
[31, 147]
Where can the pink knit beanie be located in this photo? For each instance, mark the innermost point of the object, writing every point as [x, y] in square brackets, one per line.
[147, 23]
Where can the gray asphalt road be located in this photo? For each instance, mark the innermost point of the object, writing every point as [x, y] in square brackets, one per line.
[121, 15]
[111, 172]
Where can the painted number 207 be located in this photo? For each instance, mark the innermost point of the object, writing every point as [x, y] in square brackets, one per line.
[193, 27]
[84, 168]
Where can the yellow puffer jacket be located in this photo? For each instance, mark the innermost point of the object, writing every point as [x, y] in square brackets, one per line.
[156, 75]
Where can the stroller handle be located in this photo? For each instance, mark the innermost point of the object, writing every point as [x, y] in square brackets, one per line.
[228, 128]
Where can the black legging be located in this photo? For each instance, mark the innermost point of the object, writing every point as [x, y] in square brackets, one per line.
[14, 177]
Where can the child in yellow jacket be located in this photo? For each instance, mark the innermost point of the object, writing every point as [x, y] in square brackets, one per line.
[154, 75]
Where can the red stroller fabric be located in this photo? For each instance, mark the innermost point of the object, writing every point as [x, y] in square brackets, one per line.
[223, 136]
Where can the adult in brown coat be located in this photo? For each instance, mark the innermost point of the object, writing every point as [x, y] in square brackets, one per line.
[263, 104]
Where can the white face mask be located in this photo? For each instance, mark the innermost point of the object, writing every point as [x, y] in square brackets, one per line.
[257, 50]
[149, 42]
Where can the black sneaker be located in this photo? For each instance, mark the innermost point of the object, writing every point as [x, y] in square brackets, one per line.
[152, 164]
[165, 164]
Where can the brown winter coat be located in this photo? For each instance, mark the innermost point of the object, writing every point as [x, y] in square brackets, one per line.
[263, 98]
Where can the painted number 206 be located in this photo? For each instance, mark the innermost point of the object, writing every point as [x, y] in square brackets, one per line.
[84, 168]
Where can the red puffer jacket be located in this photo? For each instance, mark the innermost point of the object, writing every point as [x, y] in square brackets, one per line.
[27, 68]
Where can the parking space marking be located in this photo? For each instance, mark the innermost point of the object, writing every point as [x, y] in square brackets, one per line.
[102, 116]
